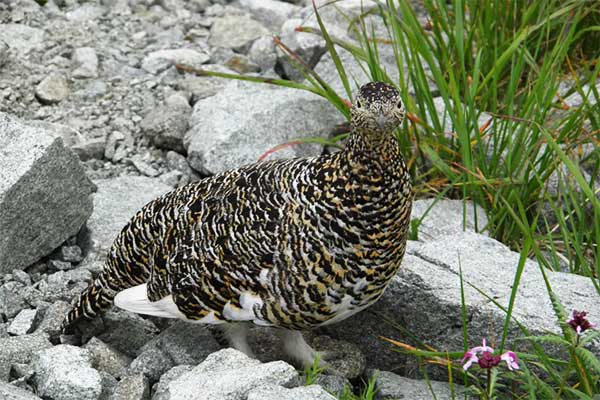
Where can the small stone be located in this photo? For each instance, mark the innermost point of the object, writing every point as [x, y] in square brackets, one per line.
[64, 372]
[241, 64]
[179, 101]
[71, 253]
[21, 277]
[22, 38]
[23, 323]
[107, 359]
[52, 89]
[333, 383]
[309, 46]
[85, 63]
[144, 167]
[262, 52]
[166, 126]
[111, 144]
[151, 363]
[86, 12]
[59, 265]
[132, 387]
[161, 60]
[90, 149]
[270, 12]
[236, 32]
[52, 318]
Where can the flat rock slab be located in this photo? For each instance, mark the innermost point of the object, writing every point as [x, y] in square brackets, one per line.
[116, 202]
[45, 196]
[312, 392]
[394, 387]
[445, 217]
[230, 375]
[425, 298]
[244, 120]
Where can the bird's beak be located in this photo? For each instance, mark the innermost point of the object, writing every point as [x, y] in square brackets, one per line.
[381, 120]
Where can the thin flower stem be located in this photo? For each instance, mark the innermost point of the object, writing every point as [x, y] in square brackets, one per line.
[489, 383]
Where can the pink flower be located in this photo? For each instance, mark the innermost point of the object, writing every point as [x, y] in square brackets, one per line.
[511, 360]
[579, 322]
[487, 359]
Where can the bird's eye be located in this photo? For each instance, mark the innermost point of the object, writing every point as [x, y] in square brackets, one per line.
[357, 104]
[399, 105]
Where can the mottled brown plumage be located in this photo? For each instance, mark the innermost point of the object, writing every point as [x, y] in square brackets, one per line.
[293, 244]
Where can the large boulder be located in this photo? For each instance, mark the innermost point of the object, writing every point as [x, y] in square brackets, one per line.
[244, 120]
[20, 350]
[45, 196]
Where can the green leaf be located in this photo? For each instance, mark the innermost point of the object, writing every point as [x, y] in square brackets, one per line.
[588, 358]
[549, 339]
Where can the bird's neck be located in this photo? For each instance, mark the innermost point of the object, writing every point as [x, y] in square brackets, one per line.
[379, 152]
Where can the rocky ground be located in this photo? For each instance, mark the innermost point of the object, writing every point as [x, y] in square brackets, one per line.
[95, 121]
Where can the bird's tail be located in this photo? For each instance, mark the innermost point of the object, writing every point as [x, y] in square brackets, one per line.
[94, 300]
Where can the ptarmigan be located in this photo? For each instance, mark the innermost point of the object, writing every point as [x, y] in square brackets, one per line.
[293, 244]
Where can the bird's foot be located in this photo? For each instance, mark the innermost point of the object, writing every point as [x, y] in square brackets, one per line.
[296, 347]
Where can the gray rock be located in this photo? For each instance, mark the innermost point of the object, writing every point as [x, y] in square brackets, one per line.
[333, 383]
[229, 374]
[160, 60]
[19, 349]
[176, 161]
[427, 288]
[132, 387]
[71, 253]
[53, 316]
[86, 12]
[109, 383]
[171, 178]
[22, 38]
[312, 392]
[270, 12]
[12, 392]
[116, 202]
[166, 126]
[58, 265]
[162, 387]
[308, 46]
[262, 53]
[127, 332]
[348, 362]
[236, 32]
[243, 121]
[52, 89]
[241, 64]
[85, 63]
[143, 167]
[12, 299]
[394, 387]
[184, 343]
[107, 359]
[23, 323]
[151, 363]
[446, 217]
[201, 87]
[3, 52]
[178, 100]
[21, 277]
[64, 372]
[44, 193]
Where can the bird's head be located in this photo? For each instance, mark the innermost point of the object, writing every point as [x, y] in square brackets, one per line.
[377, 109]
